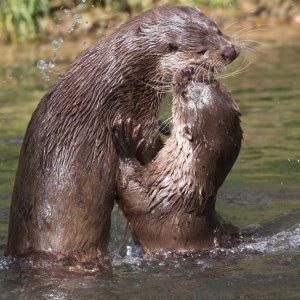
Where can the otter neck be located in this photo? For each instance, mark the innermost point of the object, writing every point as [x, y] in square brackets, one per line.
[190, 114]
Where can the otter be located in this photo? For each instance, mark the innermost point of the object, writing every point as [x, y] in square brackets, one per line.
[65, 185]
[170, 202]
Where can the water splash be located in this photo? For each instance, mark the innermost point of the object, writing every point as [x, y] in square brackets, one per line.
[71, 29]
[56, 44]
[46, 69]
[77, 18]
[68, 13]
[41, 64]
[134, 251]
[51, 64]
[286, 241]
[80, 6]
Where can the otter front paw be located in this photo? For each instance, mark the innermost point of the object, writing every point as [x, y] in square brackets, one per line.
[127, 138]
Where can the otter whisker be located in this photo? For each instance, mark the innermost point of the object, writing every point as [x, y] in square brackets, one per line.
[167, 122]
[158, 88]
[249, 34]
[251, 29]
[252, 46]
[157, 80]
[242, 30]
[240, 70]
[251, 49]
[233, 72]
[252, 42]
[228, 26]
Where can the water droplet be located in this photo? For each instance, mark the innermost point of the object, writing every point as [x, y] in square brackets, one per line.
[45, 77]
[51, 64]
[68, 13]
[77, 18]
[298, 161]
[41, 64]
[56, 44]
[71, 29]
[289, 160]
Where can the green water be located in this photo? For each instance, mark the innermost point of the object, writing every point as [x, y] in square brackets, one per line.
[261, 193]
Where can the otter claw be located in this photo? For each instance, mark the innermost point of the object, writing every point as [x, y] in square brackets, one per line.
[127, 138]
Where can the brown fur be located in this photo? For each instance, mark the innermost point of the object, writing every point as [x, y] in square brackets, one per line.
[170, 202]
[65, 184]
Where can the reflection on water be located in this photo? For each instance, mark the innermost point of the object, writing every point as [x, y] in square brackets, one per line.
[261, 195]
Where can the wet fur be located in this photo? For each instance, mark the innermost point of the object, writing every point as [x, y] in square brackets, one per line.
[170, 202]
[65, 184]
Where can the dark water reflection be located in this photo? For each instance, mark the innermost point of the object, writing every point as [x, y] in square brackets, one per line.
[261, 194]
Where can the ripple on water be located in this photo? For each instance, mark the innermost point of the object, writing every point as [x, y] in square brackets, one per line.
[286, 241]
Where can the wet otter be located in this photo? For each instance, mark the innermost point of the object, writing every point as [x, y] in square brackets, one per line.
[170, 202]
[65, 184]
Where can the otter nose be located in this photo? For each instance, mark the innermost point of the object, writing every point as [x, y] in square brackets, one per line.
[229, 53]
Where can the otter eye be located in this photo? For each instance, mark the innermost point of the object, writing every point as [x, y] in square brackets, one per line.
[202, 52]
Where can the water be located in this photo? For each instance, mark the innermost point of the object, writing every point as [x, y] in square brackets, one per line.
[261, 195]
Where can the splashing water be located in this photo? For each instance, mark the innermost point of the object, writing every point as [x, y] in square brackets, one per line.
[56, 44]
[77, 18]
[41, 64]
[68, 13]
[286, 241]
[51, 64]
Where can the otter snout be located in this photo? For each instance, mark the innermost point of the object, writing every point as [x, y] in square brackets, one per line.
[229, 53]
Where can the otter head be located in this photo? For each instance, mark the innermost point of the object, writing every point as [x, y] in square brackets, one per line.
[185, 36]
[194, 102]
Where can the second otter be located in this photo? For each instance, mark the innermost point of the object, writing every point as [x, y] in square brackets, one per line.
[170, 202]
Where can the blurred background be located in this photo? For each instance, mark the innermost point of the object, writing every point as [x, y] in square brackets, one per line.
[25, 20]
[39, 39]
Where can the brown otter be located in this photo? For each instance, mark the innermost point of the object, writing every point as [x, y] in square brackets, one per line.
[65, 184]
[170, 202]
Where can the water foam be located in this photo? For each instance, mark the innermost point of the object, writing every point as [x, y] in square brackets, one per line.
[286, 241]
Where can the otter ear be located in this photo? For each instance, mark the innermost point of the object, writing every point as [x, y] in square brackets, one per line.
[172, 47]
[187, 133]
